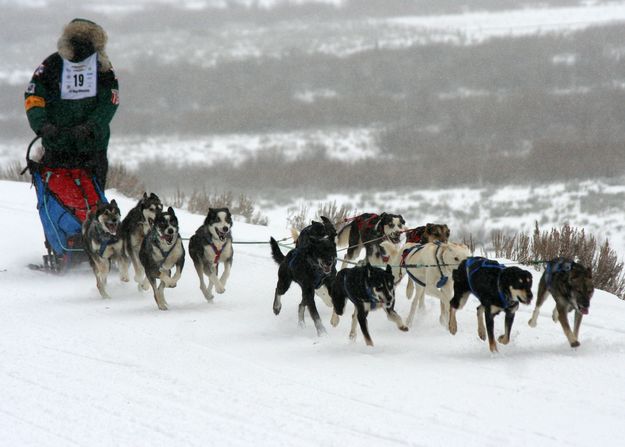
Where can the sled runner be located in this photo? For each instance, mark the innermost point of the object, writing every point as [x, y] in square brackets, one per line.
[65, 197]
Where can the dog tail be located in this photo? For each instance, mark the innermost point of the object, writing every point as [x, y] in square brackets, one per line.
[294, 235]
[276, 253]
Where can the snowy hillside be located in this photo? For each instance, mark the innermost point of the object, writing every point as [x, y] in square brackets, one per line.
[79, 370]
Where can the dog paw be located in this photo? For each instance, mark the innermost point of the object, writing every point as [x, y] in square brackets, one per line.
[503, 340]
[321, 331]
[207, 295]
[532, 322]
[219, 288]
[162, 307]
[124, 279]
[277, 309]
[482, 334]
[403, 328]
[575, 344]
[453, 327]
[352, 336]
[334, 320]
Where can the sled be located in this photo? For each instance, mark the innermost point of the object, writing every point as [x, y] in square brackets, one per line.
[66, 195]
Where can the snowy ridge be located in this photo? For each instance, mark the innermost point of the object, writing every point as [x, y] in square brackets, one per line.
[80, 370]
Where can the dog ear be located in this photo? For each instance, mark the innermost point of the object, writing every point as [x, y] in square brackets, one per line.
[328, 225]
[170, 210]
[113, 203]
[145, 195]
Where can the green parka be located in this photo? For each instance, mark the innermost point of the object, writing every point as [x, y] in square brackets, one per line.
[43, 101]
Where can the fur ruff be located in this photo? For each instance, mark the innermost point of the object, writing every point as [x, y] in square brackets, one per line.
[92, 31]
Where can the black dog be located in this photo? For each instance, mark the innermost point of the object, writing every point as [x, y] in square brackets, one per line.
[571, 286]
[309, 265]
[211, 245]
[161, 250]
[369, 288]
[368, 230]
[499, 288]
[315, 231]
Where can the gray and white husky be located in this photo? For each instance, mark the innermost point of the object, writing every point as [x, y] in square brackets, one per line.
[210, 246]
[160, 252]
[102, 242]
[135, 226]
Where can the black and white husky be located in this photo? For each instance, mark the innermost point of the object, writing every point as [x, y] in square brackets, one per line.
[100, 234]
[160, 252]
[135, 226]
[211, 245]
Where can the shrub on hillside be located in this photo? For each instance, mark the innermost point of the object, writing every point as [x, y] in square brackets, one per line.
[200, 201]
[608, 272]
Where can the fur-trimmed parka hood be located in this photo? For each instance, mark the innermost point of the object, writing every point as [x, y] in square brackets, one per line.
[88, 30]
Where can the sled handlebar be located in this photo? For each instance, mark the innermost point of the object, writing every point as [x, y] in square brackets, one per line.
[28, 160]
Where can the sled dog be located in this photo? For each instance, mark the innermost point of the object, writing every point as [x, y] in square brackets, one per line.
[310, 266]
[497, 287]
[368, 230]
[211, 245]
[436, 279]
[368, 288]
[571, 286]
[160, 252]
[312, 233]
[135, 226]
[429, 232]
[102, 243]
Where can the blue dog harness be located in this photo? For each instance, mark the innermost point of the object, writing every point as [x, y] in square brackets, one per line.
[105, 239]
[556, 267]
[407, 252]
[373, 301]
[164, 254]
[473, 264]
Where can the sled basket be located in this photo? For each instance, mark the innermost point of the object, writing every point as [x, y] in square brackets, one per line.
[65, 197]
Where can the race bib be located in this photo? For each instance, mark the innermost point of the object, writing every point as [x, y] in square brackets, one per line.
[80, 79]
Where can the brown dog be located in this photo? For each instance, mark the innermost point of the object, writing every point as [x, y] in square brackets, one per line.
[429, 232]
[570, 284]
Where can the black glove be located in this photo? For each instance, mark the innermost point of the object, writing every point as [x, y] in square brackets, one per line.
[82, 132]
[48, 131]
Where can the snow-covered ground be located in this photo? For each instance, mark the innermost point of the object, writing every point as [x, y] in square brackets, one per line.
[80, 370]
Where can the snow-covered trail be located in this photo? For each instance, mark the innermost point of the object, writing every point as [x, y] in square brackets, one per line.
[80, 370]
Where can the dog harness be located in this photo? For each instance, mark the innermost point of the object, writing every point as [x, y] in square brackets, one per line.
[476, 263]
[209, 239]
[372, 300]
[414, 235]
[319, 274]
[556, 267]
[443, 279]
[362, 222]
[164, 254]
[105, 238]
[407, 252]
